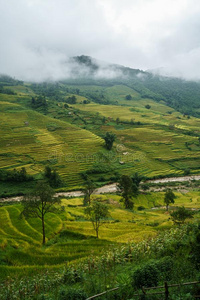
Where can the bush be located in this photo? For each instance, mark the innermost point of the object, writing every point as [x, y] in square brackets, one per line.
[72, 275]
[128, 97]
[152, 272]
[141, 208]
[72, 294]
[147, 276]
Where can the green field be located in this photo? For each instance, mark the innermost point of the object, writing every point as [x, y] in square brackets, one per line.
[62, 125]
[70, 236]
[127, 240]
[153, 142]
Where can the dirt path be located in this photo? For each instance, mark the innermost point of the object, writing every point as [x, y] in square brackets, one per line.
[175, 179]
[111, 188]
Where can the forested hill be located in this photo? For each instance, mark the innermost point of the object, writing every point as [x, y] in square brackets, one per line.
[180, 94]
[63, 125]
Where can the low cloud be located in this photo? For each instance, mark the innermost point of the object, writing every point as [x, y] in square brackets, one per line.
[38, 37]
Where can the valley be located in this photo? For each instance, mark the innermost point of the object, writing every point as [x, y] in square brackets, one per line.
[55, 132]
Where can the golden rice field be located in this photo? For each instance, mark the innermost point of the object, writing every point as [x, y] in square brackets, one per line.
[156, 147]
[70, 236]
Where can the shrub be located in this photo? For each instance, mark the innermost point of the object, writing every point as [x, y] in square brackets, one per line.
[152, 272]
[72, 275]
[146, 275]
[180, 215]
[141, 208]
[186, 172]
[128, 97]
[72, 294]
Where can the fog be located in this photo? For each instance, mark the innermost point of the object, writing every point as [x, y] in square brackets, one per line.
[38, 37]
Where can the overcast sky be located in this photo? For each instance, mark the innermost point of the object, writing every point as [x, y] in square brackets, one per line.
[38, 35]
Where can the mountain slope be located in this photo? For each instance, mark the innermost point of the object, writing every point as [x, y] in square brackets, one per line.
[41, 125]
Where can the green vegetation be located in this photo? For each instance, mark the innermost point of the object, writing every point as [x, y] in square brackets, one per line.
[169, 198]
[38, 204]
[109, 140]
[89, 189]
[57, 132]
[130, 242]
[180, 215]
[125, 187]
[39, 129]
[96, 213]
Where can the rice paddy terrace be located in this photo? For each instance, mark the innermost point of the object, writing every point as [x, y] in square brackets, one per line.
[153, 140]
[71, 237]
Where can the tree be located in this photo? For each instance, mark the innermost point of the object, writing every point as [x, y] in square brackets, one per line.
[186, 172]
[117, 120]
[125, 187]
[104, 120]
[136, 178]
[89, 189]
[47, 172]
[71, 100]
[39, 203]
[96, 213]
[109, 140]
[52, 177]
[128, 97]
[169, 198]
[180, 215]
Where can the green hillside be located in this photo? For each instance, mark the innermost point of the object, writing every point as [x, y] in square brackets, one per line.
[70, 236]
[152, 138]
[62, 125]
[31, 140]
[73, 257]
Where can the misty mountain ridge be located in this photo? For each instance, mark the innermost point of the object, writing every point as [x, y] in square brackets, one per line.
[84, 65]
[91, 67]
[180, 94]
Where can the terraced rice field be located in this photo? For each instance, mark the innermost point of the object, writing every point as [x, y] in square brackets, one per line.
[159, 146]
[32, 140]
[70, 236]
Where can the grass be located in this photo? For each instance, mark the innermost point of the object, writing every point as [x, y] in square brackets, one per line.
[70, 237]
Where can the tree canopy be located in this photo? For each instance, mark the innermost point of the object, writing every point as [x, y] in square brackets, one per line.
[169, 198]
[125, 187]
[89, 189]
[96, 213]
[180, 215]
[39, 203]
[109, 140]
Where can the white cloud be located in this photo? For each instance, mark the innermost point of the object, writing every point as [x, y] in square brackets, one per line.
[38, 35]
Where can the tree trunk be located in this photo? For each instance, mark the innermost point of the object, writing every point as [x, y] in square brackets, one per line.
[97, 232]
[167, 206]
[97, 228]
[43, 231]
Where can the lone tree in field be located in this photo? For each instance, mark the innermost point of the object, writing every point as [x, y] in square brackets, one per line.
[128, 97]
[39, 203]
[169, 198]
[89, 189]
[180, 215]
[126, 188]
[109, 140]
[136, 178]
[97, 212]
